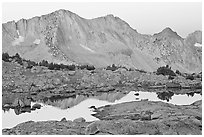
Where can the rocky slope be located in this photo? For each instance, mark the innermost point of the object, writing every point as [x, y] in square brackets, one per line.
[64, 37]
[41, 83]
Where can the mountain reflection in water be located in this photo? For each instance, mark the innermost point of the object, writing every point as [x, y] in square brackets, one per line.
[75, 107]
[65, 103]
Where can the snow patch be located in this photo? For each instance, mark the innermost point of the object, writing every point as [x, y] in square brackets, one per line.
[198, 45]
[18, 32]
[17, 41]
[37, 41]
[87, 48]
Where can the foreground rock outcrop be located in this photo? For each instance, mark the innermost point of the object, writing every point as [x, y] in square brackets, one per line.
[64, 37]
[139, 117]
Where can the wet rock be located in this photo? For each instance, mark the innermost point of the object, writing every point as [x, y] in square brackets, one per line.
[25, 109]
[63, 119]
[144, 99]
[36, 106]
[136, 94]
[81, 119]
[92, 107]
[17, 111]
[6, 106]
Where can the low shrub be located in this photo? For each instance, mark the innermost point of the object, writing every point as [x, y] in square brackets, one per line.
[5, 57]
[165, 70]
[178, 72]
[190, 77]
[112, 68]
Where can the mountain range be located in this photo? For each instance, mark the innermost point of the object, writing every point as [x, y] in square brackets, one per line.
[64, 37]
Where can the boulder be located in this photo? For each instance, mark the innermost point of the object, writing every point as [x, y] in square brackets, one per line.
[36, 106]
[17, 111]
[21, 103]
[63, 119]
[71, 73]
[25, 109]
[146, 115]
[27, 102]
[6, 106]
[92, 129]
[15, 103]
[81, 119]
[136, 94]
[36, 69]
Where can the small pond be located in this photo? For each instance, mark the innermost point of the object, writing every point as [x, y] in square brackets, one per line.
[72, 108]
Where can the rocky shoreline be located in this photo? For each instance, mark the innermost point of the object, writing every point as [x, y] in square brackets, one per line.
[141, 117]
[20, 86]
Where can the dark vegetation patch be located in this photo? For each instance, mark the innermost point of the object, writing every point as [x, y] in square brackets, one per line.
[191, 77]
[165, 70]
[52, 66]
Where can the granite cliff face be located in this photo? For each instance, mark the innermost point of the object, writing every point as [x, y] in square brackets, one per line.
[64, 37]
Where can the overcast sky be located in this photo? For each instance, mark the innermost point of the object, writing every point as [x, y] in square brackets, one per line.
[146, 18]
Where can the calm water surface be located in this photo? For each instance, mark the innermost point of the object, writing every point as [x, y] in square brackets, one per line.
[72, 108]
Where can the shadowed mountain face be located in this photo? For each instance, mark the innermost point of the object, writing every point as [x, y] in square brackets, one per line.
[64, 37]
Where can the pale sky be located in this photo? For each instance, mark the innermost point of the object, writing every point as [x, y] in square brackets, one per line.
[146, 18]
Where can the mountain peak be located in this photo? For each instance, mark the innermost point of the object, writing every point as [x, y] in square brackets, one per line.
[168, 32]
[110, 15]
[63, 12]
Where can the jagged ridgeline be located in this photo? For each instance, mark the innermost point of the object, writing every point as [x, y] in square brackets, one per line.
[64, 37]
